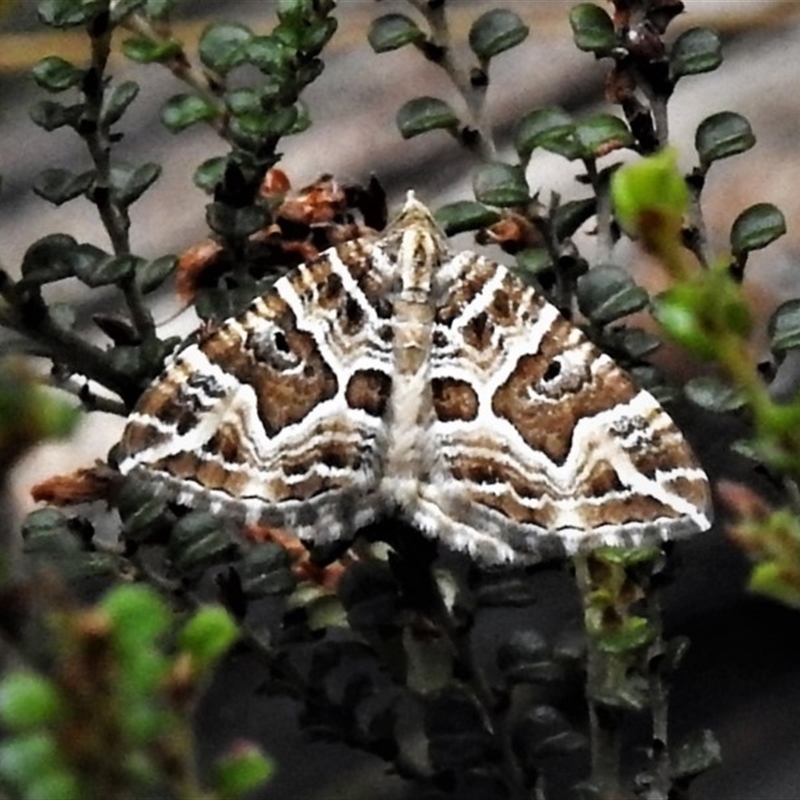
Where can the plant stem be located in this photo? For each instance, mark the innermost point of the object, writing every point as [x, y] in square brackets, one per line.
[474, 94]
[604, 722]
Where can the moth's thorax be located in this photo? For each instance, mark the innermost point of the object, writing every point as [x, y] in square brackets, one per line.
[420, 253]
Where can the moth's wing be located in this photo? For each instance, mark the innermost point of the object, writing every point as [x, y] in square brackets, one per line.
[278, 416]
[540, 443]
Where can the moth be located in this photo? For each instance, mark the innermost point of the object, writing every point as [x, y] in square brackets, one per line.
[390, 376]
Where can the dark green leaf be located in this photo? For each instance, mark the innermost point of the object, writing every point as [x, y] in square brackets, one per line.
[117, 100]
[235, 223]
[50, 259]
[592, 28]
[68, 13]
[700, 753]
[210, 173]
[550, 128]
[199, 541]
[392, 31]
[51, 115]
[425, 114]
[713, 395]
[123, 8]
[152, 274]
[316, 35]
[183, 110]
[370, 596]
[567, 218]
[269, 54]
[56, 74]
[722, 135]
[148, 51]
[602, 133]
[243, 101]
[756, 227]
[130, 183]
[464, 215]
[60, 185]
[525, 657]
[495, 31]
[457, 734]
[142, 514]
[638, 344]
[223, 47]
[265, 570]
[534, 260]
[784, 327]
[49, 531]
[499, 184]
[607, 293]
[98, 269]
[694, 51]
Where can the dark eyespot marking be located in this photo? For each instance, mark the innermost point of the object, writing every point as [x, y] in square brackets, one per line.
[552, 372]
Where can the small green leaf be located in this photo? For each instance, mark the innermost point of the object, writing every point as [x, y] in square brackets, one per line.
[499, 184]
[650, 194]
[129, 184]
[784, 327]
[207, 636]
[534, 260]
[241, 770]
[592, 28]
[183, 110]
[200, 540]
[722, 135]
[123, 8]
[695, 756]
[269, 54]
[50, 259]
[694, 51]
[265, 571]
[56, 74]
[465, 215]
[756, 227]
[223, 47]
[235, 223]
[117, 100]
[714, 395]
[148, 51]
[771, 579]
[607, 293]
[550, 128]
[28, 700]
[392, 31]
[22, 758]
[632, 634]
[138, 615]
[94, 270]
[601, 134]
[69, 13]
[152, 274]
[59, 186]
[210, 173]
[495, 31]
[141, 517]
[51, 115]
[568, 217]
[425, 114]
[54, 783]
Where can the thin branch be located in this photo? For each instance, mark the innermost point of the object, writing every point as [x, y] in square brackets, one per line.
[474, 94]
